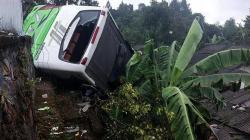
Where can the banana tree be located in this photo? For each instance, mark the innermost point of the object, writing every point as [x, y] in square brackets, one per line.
[166, 71]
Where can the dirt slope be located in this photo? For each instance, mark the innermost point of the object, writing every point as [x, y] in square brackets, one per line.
[60, 115]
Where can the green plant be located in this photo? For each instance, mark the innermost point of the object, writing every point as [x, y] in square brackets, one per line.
[165, 71]
[216, 39]
[131, 116]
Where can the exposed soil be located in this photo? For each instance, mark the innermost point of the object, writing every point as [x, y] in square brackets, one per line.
[40, 109]
[59, 114]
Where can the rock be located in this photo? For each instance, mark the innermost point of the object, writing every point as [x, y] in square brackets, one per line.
[45, 96]
[72, 129]
[16, 88]
[85, 106]
[44, 108]
[242, 108]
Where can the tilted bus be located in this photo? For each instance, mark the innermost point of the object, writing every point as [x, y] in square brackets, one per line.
[83, 42]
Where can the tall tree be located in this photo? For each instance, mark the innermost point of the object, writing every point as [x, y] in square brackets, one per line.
[246, 29]
[210, 30]
[184, 9]
[155, 19]
[166, 22]
[181, 18]
[230, 29]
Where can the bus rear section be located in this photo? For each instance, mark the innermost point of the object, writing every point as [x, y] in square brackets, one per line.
[110, 57]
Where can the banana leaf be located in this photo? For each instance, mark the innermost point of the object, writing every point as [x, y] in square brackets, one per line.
[207, 92]
[187, 50]
[219, 61]
[135, 59]
[145, 88]
[149, 48]
[142, 69]
[179, 104]
[226, 78]
[172, 58]
[162, 57]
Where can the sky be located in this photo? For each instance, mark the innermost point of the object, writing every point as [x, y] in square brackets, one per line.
[215, 11]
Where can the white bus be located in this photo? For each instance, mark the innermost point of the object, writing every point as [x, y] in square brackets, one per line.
[82, 42]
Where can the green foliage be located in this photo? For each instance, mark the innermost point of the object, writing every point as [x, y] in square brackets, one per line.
[246, 30]
[216, 79]
[218, 61]
[187, 50]
[178, 103]
[208, 92]
[168, 21]
[162, 78]
[187, 84]
[132, 116]
[211, 30]
[162, 21]
[155, 74]
[216, 39]
[230, 29]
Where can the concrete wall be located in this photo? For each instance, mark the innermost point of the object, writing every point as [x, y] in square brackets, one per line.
[11, 16]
